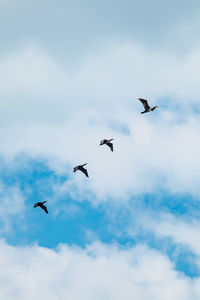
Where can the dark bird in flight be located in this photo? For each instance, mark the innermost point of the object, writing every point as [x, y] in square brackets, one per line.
[41, 204]
[146, 106]
[108, 143]
[82, 169]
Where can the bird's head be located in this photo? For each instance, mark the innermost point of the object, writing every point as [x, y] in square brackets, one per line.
[154, 107]
[35, 205]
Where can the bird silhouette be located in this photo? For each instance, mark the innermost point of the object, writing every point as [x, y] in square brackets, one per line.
[41, 204]
[108, 143]
[82, 169]
[146, 106]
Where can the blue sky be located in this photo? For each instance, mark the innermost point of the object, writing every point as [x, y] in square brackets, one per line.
[71, 73]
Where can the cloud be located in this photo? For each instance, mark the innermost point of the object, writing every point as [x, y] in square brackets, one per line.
[72, 30]
[11, 207]
[48, 111]
[68, 81]
[181, 230]
[99, 270]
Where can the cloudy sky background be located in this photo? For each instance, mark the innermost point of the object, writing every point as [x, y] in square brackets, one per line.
[70, 74]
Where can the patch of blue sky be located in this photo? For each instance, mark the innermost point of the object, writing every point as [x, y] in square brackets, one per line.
[25, 169]
[195, 107]
[119, 127]
[72, 225]
[82, 227]
[184, 260]
[36, 180]
[129, 232]
[79, 222]
[176, 204]
[180, 109]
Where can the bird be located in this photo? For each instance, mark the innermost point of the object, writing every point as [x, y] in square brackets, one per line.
[82, 169]
[108, 143]
[41, 204]
[146, 106]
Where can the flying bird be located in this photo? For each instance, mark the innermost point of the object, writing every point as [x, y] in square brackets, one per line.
[146, 106]
[108, 143]
[41, 204]
[82, 169]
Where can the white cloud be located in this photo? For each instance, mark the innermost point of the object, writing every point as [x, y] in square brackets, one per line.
[182, 231]
[61, 113]
[94, 273]
[11, 207]
[46, 110]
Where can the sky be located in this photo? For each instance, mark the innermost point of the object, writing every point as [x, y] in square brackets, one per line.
[71, 73]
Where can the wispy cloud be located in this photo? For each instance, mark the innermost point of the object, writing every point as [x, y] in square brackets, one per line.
[12, 207]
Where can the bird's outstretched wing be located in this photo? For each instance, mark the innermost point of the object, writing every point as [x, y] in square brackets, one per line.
[44, 208]
[110, 145]
[144, 102]
[84, 171]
